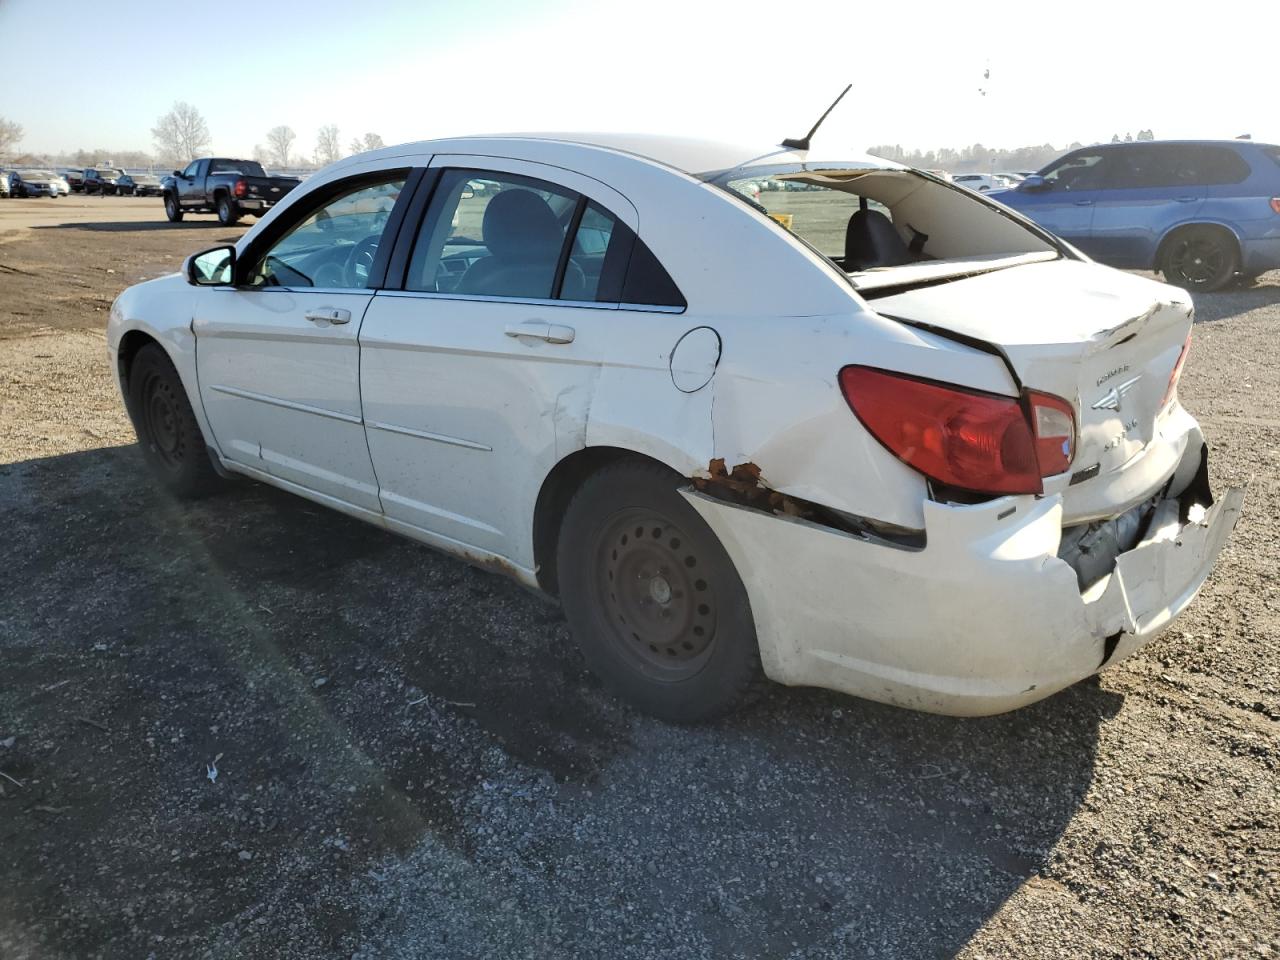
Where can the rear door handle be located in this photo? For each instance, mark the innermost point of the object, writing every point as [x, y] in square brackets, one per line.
[1186, 199]
[1084, 203]
[541, 330]
[328, 315]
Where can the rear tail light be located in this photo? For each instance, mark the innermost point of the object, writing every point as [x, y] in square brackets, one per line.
[1275, 204]
[240, 188]
[1055, 427]
[1177, 371]
[963, 438]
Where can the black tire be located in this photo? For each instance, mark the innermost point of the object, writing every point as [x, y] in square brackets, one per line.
[1200, 259]
[171, 208]
[228, 211]
[168, 433]
[680, 642]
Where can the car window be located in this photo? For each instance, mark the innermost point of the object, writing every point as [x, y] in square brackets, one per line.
[247, 168]
[587, 257]
[191, 168]
[333, 245]
[1216, 166]
[492, 235]
[1078, 171]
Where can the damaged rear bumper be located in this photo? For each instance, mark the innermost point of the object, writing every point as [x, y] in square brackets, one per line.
[983, 619]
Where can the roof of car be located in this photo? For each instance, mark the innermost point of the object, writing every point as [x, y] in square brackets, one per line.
[690, 154]
[1219, 143]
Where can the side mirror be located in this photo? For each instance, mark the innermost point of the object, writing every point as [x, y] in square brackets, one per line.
[212, 268]
[176, 173]
[1033, 183]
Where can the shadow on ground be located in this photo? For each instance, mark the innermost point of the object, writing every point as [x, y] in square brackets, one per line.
[411, 758]
[138, 226]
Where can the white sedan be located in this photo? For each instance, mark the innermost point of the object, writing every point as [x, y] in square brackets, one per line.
[908, 445]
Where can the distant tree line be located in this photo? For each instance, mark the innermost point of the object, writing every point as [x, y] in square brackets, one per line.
[979, 158]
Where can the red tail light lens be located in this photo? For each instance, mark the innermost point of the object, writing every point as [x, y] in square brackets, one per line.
[964, 438]
[240, 188]
[1275, 204]
[1177, 372]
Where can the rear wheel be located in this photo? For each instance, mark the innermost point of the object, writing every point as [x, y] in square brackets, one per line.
[652, 598]
[228, 211]
[1201, 259]
[168, 433]
[171, 208]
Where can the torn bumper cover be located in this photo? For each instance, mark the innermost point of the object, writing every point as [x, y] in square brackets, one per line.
[983, 619]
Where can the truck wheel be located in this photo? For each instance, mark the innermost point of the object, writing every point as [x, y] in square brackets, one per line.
[171, 208]
[228, 212]
[652, 598]
[1201, 258]
[168, 433]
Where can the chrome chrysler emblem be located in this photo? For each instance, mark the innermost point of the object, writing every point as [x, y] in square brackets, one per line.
[1112, 399]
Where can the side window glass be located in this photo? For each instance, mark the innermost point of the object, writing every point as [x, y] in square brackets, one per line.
[1077, 172]
[647, 282]
[335, 244]
[191, 168]
[492, 235]
[588, 255]
[1220, 165]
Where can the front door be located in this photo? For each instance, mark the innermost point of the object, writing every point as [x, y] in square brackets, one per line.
[278, 356]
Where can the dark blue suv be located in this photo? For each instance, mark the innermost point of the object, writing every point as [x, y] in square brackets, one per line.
[1199, 211]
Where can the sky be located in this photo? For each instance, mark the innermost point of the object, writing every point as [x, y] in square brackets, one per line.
[100, 75]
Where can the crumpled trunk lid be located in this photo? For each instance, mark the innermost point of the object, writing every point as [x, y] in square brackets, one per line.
[1105, 341]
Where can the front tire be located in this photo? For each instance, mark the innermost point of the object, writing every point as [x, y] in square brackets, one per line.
[171, 208]
[228, 212]
[172, 444]
[652, 598]
[1200, 259]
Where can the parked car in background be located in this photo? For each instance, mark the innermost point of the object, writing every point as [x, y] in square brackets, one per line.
[4, 183]
[1013, 179]
[37, 183]
[981, 182]
[102, 180]
[230, 188]
[1200, 212]
[140, 185]
[942, 175]
[963, 482]
[75, 179]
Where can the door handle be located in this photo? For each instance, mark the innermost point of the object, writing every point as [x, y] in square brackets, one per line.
[1186, 199]
[540, 330]
[1084, 203]
[328, 315]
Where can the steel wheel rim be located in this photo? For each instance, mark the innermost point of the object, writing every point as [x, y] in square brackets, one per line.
[169, 206]
[161, 414]
[658, 605]
[1197, 262]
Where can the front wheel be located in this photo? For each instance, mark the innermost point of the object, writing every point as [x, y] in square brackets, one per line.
[228, 212]
[171, 208]
[1200, 259]
[168, 433]
[652, 598]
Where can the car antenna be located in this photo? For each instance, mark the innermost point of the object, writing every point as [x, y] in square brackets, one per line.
[803, 142]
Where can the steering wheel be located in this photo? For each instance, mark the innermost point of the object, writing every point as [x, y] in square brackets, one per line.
[355, 272]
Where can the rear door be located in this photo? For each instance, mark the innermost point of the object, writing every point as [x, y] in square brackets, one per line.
[1149, 189]
[278, 356]
[477, 373]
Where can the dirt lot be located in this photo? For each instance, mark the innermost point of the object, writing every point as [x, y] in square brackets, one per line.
[411, 760]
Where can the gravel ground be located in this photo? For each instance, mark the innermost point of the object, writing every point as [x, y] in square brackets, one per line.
[411, 760]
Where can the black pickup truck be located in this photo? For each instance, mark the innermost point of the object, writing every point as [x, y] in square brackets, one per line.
[229, 188]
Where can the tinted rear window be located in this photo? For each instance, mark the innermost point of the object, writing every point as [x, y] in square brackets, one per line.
[647, 281]
[1219, 165]
[1273, 153]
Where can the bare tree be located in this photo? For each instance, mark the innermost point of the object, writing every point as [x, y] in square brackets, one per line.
[10, 135]
[328, 148]
[372, 141]
[356, 146]
[181, 135]
[279, 140]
